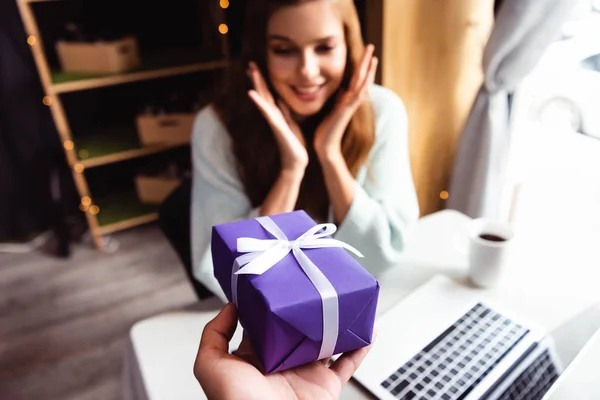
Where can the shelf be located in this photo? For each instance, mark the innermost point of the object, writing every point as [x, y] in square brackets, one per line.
[64, 82]
[126, 155]
[114, 144]
[182, 60]
[123, 211]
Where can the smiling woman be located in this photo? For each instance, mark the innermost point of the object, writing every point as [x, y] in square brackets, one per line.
[283, 41]
[306, 55]
[300, 125]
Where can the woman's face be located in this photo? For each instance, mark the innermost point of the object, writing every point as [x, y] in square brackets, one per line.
[306, 54]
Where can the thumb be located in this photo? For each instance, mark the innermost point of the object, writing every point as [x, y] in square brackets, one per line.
[218, 332]
[287, 115]
[285, 111]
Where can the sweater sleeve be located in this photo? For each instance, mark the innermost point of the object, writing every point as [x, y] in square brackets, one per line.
[217, 193]
[385, 203]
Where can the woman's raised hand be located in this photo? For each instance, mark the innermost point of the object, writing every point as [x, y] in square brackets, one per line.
[329, 134]
[289, 138]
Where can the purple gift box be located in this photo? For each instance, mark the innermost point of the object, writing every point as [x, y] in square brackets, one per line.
[281, 309]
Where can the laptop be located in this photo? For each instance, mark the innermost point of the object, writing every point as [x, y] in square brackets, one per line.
[445, 342]
[582, 376]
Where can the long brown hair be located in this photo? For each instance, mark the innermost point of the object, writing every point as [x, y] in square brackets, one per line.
[253, 144]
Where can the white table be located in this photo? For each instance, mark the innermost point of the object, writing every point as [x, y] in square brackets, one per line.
[551, 277]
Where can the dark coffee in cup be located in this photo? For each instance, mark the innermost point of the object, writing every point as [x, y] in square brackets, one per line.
[492, 238]
[489, 248]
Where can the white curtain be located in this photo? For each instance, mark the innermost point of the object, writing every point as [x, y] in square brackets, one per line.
[522, 31]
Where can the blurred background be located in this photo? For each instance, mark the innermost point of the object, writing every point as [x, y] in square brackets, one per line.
[96, 105]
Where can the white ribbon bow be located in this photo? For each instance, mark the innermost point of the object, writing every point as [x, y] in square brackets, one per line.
[263, 254]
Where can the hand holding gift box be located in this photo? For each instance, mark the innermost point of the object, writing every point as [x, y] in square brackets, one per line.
[300, 296]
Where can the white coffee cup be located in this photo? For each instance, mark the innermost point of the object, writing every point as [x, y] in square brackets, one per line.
[490, 241]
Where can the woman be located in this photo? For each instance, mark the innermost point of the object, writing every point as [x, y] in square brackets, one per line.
[301, 126]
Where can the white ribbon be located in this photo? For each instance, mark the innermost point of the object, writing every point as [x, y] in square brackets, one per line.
[263, 254]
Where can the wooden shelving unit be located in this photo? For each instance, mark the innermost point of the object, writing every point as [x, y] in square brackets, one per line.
[110, 80]
[124, 155]
[117, 211]
[123, 211]
[114, 144]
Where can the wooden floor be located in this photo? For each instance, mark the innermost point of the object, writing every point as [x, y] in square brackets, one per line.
[63, 323]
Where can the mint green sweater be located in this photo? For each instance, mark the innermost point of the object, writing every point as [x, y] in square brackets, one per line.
[384, 202]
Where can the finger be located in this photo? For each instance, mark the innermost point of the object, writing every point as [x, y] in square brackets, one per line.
[218, 332]
[365, 67]
[361, 73]
[285, 110]
[262, 104]
[325, 361]
[370, 77]
[372, 71]
[251, 71]
[345, 366]
[246, 352]
[355, 97]
[260, 85]
[257, 80]
[268, 110]
[245, 345]
[287, 114]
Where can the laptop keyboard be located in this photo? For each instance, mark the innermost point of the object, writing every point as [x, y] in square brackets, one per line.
[534, 382]
[450, 366]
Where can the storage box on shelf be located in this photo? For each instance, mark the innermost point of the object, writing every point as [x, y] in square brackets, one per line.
[172, 129]
[154, 189]
[120, 65]
[99, 57]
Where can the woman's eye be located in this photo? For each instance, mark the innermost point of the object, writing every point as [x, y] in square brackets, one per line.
[283, 51]
[324, 48]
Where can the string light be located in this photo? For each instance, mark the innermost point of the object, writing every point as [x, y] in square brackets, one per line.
[83, 207]
[224, 3]
[444, 195]
[32, 39]
[47, 100]
[86, 201]
[94, 210]
[68, 145]
[78, 168]
[223, 29]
